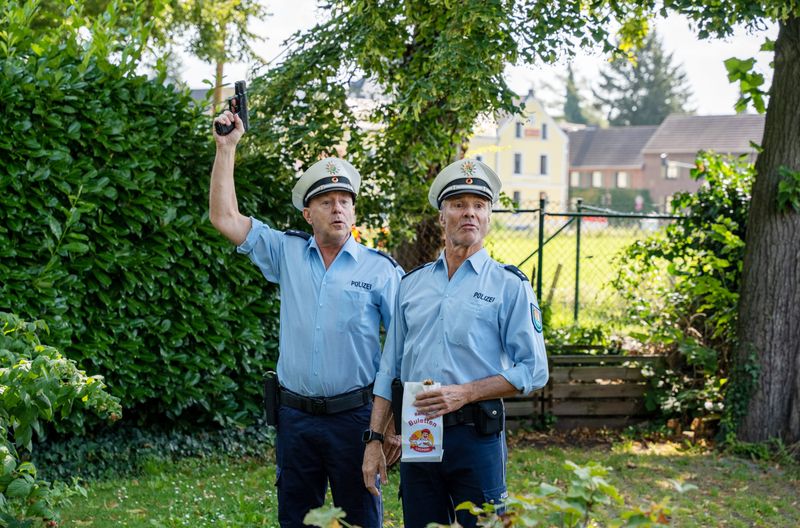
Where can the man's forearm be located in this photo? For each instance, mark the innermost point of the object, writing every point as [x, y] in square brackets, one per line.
[381, 413]
[223, 208]
[490, 388]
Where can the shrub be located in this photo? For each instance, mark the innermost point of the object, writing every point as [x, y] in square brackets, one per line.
[104, 230]
[37, 384]
[690, 311]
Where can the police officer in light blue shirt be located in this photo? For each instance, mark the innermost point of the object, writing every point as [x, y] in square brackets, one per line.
[473, 325]
[335, 293]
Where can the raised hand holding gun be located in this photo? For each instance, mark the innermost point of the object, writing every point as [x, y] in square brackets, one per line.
[237, 105]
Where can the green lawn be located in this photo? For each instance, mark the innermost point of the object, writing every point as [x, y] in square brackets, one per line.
[731, 492]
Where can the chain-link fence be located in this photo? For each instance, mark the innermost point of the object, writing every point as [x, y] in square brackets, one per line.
[570, 255]
[575, 247]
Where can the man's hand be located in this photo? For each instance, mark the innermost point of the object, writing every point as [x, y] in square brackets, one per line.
[374, 464]
[226, 118]
[391, 444]
[438, 402]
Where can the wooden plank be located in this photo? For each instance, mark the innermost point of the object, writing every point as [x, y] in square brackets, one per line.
[564, 374]
[597, 408]
[604, 359]
[563, 391]
[522, 408]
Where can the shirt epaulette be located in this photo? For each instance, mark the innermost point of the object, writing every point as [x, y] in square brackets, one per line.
[301, 234]
[415, 269]
[516, 271]
[386, 256]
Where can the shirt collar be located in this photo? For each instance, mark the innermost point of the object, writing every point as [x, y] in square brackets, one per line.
[350, 247]
[477, 260]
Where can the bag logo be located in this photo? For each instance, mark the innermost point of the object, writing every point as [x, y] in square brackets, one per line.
[421, 441]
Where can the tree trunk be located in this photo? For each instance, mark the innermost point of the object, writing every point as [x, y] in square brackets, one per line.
[220, 66]
[769, 306]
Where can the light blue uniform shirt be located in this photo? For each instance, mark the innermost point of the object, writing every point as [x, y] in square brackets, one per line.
[330, 319]
[476, 325]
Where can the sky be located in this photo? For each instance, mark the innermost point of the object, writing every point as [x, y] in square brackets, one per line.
[701, 60]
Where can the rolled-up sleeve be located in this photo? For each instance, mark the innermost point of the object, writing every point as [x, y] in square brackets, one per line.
[392, 353]
[523, 343]
[264, 247]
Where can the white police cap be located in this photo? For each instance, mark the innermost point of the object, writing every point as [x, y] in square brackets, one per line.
[466, 176]
[328, 174]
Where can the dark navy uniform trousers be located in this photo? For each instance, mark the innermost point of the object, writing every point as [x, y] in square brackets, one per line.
[472, 469]
[314, 450]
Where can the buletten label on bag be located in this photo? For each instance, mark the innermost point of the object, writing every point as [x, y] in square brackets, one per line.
[421, 436]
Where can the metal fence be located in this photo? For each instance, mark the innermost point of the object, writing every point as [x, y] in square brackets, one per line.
[570, 253]
[571, 256]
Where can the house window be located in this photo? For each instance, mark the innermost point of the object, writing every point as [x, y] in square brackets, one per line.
[517, 199]
[543, 164]
[544, 131]
[672, 171]
[519, 130]
[574, 179]
[517, 163]
[479, 158]
[623, 181]
[597, 179]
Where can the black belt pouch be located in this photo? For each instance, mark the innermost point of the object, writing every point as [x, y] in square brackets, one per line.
[490, 417]
[397, 404]
[271, 401]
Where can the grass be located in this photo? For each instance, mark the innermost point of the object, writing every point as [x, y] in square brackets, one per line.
[220, 492]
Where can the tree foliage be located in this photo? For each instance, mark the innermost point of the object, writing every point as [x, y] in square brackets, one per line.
[643, 89]
[214, 31]
[573, 112]
[438, 65]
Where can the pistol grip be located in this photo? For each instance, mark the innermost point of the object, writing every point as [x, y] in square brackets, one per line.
[224, 130]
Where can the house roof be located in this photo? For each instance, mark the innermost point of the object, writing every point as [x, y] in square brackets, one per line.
[608, 147]
[727, 134]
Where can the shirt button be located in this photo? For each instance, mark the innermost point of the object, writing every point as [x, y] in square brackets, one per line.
[317, 328]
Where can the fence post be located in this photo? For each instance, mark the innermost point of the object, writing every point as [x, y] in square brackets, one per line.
[578, 258]
[542, 203]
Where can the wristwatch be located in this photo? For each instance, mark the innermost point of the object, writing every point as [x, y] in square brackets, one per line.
[369, 435]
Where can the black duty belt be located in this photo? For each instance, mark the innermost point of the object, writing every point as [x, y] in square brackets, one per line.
[471, 413]
[332, 405]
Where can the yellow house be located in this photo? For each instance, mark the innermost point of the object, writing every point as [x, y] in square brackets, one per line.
[529, 152]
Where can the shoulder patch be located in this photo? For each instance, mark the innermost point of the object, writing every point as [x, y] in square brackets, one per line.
[386, 256]
[516, 271]
[416, 269]
[301, 234]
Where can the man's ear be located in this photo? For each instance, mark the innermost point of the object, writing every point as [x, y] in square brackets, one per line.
[307, 215]
[441, 217]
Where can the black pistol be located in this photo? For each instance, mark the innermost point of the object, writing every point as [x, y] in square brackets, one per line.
[237, 105]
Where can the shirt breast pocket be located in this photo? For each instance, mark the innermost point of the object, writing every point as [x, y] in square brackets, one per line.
[473, 324]
[356, 309]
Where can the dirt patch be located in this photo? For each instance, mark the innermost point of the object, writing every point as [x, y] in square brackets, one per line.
[582, 437]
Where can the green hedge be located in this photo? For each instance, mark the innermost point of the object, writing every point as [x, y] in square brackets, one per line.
[104, 231]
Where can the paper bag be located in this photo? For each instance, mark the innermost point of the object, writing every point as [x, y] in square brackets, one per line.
[422, 436]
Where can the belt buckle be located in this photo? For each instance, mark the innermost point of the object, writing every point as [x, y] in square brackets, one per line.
[318, 406]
